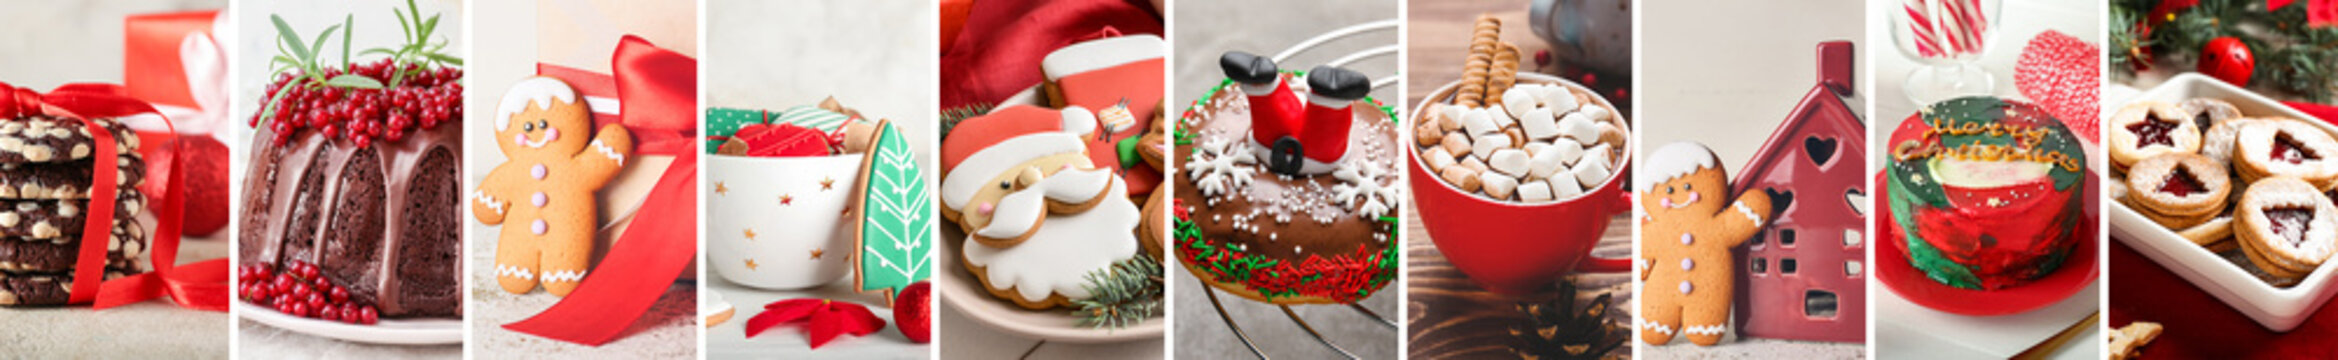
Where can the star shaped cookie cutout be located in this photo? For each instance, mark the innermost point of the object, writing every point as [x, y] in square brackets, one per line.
[784, 199]
[719, 189]
[750, 233]
[827, 183]
[816, 253]
[751, 264]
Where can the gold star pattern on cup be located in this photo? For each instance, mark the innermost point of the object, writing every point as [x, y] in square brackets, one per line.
[751, 264]
[750, 233]
[784, 199]
[719, 189]
[816, 253]
[827, 183]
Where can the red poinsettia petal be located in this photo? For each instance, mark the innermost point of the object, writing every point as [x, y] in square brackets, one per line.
[2320, 13]
[862, 320]
[782, 312]
[825, 326]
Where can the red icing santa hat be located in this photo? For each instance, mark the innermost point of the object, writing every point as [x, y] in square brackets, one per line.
[980, 148]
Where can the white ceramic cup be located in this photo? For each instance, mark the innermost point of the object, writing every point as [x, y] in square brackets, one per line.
[745, 194]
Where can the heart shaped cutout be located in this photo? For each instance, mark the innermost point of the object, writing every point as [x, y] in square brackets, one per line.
[1780, 200]
[1858, 200]
[1821, 150]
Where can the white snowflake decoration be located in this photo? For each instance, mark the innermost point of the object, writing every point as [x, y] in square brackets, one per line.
[1360, 188]
[1220, 167]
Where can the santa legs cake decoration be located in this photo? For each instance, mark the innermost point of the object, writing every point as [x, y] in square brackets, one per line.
[1984, 191]
[1282, 198]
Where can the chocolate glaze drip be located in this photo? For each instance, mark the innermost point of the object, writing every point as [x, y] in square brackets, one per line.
[381, 220]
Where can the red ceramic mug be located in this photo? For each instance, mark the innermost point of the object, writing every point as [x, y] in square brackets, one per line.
[1515, 248]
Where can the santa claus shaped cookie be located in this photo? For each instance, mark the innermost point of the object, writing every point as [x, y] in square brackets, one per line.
[545, 190]
[1038, 214]
[1688, 227]
[1118, 79]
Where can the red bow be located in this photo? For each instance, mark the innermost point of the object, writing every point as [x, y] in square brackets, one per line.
[200, 285]
[658, 90]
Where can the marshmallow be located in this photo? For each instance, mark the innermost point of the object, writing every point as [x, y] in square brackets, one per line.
[1593, 168]
[1558, 98]
[1534, 191]
[1473, 163]
[1497, 185]
[1564, 186]
[1576, 125]
[1511, 162]
[1460, 177]
[1456, 144]
[1438, 159]
[1539, 124]
[1518, 102]
[1596, 113]
[1543, 164]
[1568, 150]
[1485, 144]
[1535, 147]
[1502, 116]
[1479, 121]
[1453, 115]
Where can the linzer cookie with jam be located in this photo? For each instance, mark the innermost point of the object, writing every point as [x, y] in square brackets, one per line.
[1287, 191]
[1985, 191]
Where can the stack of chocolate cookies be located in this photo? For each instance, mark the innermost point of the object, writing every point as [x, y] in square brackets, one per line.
[45, 186]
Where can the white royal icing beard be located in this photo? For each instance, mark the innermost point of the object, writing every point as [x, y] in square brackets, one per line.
[1058, 257]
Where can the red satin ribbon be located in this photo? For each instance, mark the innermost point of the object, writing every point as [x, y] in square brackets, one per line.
[647, 91]
[658, 89]
[201, 285]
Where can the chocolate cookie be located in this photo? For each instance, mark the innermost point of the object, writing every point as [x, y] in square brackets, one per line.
[20, 289]
[20, 254]
[49, 219]
[69, 180]
[42, 138]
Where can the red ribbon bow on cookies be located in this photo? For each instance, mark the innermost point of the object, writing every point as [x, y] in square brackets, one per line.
[658, 90]
[201, 285]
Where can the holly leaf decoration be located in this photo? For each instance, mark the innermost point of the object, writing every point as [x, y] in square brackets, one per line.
[897, 212]
[823, 319]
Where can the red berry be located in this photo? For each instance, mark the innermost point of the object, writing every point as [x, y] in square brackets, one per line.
[1542, 58]
[350, 314]
[366, 315]
[339, 294]
[297, 309]
[283, 284]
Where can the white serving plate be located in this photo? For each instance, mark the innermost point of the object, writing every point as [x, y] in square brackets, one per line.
[2278, 309]
[387, 331]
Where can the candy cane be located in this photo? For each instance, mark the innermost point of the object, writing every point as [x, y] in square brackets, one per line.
[1920, 24]
[1968, 28]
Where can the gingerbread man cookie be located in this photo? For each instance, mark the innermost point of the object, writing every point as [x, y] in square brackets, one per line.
[546, 187]
[1688, 228]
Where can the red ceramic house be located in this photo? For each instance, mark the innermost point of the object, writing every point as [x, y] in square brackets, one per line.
[1804, 277]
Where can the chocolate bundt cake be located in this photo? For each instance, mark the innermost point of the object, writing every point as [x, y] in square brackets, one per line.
[381, 220]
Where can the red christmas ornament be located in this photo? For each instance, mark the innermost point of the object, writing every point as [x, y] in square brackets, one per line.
[206, 168]
[913, 312]
[824, 319]
[2059, 72]
[2226, 58]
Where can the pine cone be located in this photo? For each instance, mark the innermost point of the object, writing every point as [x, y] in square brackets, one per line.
[1555, 329]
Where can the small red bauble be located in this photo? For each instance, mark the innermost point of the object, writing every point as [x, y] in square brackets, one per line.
[2226, 58]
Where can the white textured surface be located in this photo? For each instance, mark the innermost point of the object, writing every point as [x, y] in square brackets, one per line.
[58, 42]
[1206, 29]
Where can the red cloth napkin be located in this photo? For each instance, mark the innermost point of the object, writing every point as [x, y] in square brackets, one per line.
[2198, 326]
[2325, 112]
[997, 52]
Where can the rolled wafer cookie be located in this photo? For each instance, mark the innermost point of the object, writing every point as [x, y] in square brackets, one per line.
[1504, 74]
[1483, 42]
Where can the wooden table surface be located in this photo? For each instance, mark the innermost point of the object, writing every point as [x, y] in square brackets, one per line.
[1452, 318]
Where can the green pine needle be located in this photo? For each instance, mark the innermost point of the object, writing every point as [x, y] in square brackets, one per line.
[1123, 295]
